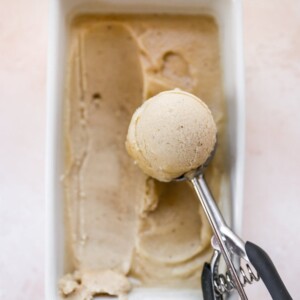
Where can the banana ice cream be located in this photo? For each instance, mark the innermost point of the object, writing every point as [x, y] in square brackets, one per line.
[124, 229]
[170, 134]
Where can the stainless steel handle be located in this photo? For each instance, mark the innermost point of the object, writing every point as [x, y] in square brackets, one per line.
[218, 225]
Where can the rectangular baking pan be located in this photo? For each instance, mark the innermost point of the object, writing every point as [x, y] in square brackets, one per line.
[228, 14]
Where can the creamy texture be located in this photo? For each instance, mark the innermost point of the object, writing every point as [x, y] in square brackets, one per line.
[171, 134]
[88, 284]
[120, 223]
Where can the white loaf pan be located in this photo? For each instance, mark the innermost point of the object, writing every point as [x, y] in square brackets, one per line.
[228, 14]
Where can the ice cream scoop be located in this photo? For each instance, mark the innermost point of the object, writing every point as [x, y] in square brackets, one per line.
[172, 137]
[170, 134]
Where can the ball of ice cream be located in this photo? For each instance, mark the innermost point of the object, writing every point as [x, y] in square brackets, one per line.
[170, 134]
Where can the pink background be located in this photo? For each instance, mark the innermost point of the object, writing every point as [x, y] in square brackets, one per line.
[272, 181]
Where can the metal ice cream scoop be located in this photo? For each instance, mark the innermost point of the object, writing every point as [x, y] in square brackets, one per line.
[228, 245]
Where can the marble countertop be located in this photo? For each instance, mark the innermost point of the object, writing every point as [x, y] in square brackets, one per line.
[272, 178]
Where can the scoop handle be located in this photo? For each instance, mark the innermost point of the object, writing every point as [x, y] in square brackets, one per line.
[206, 282]
[267, 271]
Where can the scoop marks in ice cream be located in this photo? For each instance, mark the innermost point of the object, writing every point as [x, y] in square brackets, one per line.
[123, 229]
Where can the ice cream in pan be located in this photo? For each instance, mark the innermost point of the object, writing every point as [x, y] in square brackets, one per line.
[121, 224]
[124, 229]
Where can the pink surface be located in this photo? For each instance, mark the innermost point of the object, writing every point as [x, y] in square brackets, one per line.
[272, 182]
